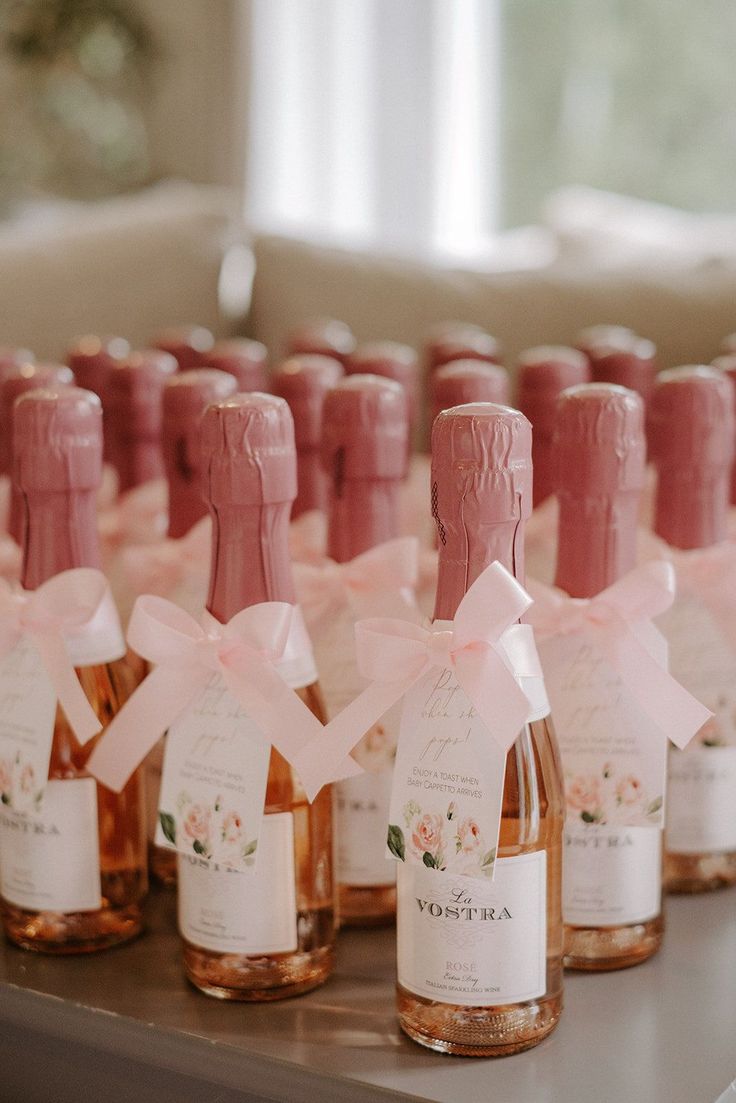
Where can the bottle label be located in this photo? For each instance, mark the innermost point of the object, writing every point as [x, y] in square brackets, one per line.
[611, 875]
[27, 716]
[362, 806]
[446, 797]
[50, 858]
[232, 913]
[614, 762]
[214, 778]
[474, 943]
[701, 806]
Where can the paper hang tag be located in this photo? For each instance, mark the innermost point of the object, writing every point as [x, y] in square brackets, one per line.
[27, 717]
[213, 785]
[614, 762]
[448, 782]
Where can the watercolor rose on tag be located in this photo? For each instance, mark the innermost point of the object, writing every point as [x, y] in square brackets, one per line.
[443, 840]
[213, 832]
[607, 797]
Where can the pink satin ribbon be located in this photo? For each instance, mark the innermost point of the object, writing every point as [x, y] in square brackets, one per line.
[395, 654]
[383, 571]
[139, 516]
[160, 568]
[617, 623]
[64, 605]
[185, 655]
[308, 537]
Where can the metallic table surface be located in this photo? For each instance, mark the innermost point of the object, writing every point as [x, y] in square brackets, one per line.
[663, 1031]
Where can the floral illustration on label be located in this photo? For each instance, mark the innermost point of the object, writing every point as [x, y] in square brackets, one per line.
[212, 832]
[19, 788]
[611, 797]
[442, 840]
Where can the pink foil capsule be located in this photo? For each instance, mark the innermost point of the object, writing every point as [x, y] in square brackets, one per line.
[187, 344]
[322, 337]
[304, 382]
[134, 398]
[242, 358]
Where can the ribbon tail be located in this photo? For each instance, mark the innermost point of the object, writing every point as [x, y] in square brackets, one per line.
[82, 718]
[495, 694]
[672, 710]
[141, 722]
[316, 762]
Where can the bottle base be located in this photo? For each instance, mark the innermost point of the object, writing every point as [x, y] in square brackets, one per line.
[367, 905]
[603, 949]
[477, 1031]
[690, 873]
[73, 932]
[256, 979]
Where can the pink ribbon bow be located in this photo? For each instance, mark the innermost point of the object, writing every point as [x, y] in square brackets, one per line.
[185, 655]
[617, 623]
[159, 568]
[395, 654]
[63, 606]
[382, 572]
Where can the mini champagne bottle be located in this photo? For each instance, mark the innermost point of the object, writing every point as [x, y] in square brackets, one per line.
[692, 435]
[481, 484]
[273, 929]
[364, 454]
[73, 871]
[612, 875]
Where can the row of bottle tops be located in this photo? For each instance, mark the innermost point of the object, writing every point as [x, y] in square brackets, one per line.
[152, 399]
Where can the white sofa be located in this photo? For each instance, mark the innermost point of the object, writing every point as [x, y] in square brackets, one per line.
[669, 275]
[128, 265]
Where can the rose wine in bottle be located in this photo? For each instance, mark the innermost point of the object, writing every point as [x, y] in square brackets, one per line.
[692, 435]
[266, 934]
[612, 875]
[92, 359]
[27, 377]
[543, 373]
[322, 337]
[74, 871]
[186, 396]
[245, 360]
[134, 399]
[187, 344]
[481, 489]
[304, 381]
[364, 453]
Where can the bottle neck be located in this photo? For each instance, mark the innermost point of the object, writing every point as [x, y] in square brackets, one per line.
[364, 513]
[250, 558]
[186, 501]
[138, 461]
[543, 458]
[470, 547]
[311, 482]
[60, 534]
[691, 508]
[596, 541]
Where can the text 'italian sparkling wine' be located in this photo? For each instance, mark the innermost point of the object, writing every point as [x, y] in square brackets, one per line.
[269, 932]
[480, 945]
[73, 853]
[613, 758]
[691, 417]
[364, 453]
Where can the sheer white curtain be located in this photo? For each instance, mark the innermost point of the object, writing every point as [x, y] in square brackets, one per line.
[376, 121]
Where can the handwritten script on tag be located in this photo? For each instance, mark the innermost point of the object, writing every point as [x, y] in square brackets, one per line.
[213, 784]
[614, 763]
[27, 715]
[445, 808]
